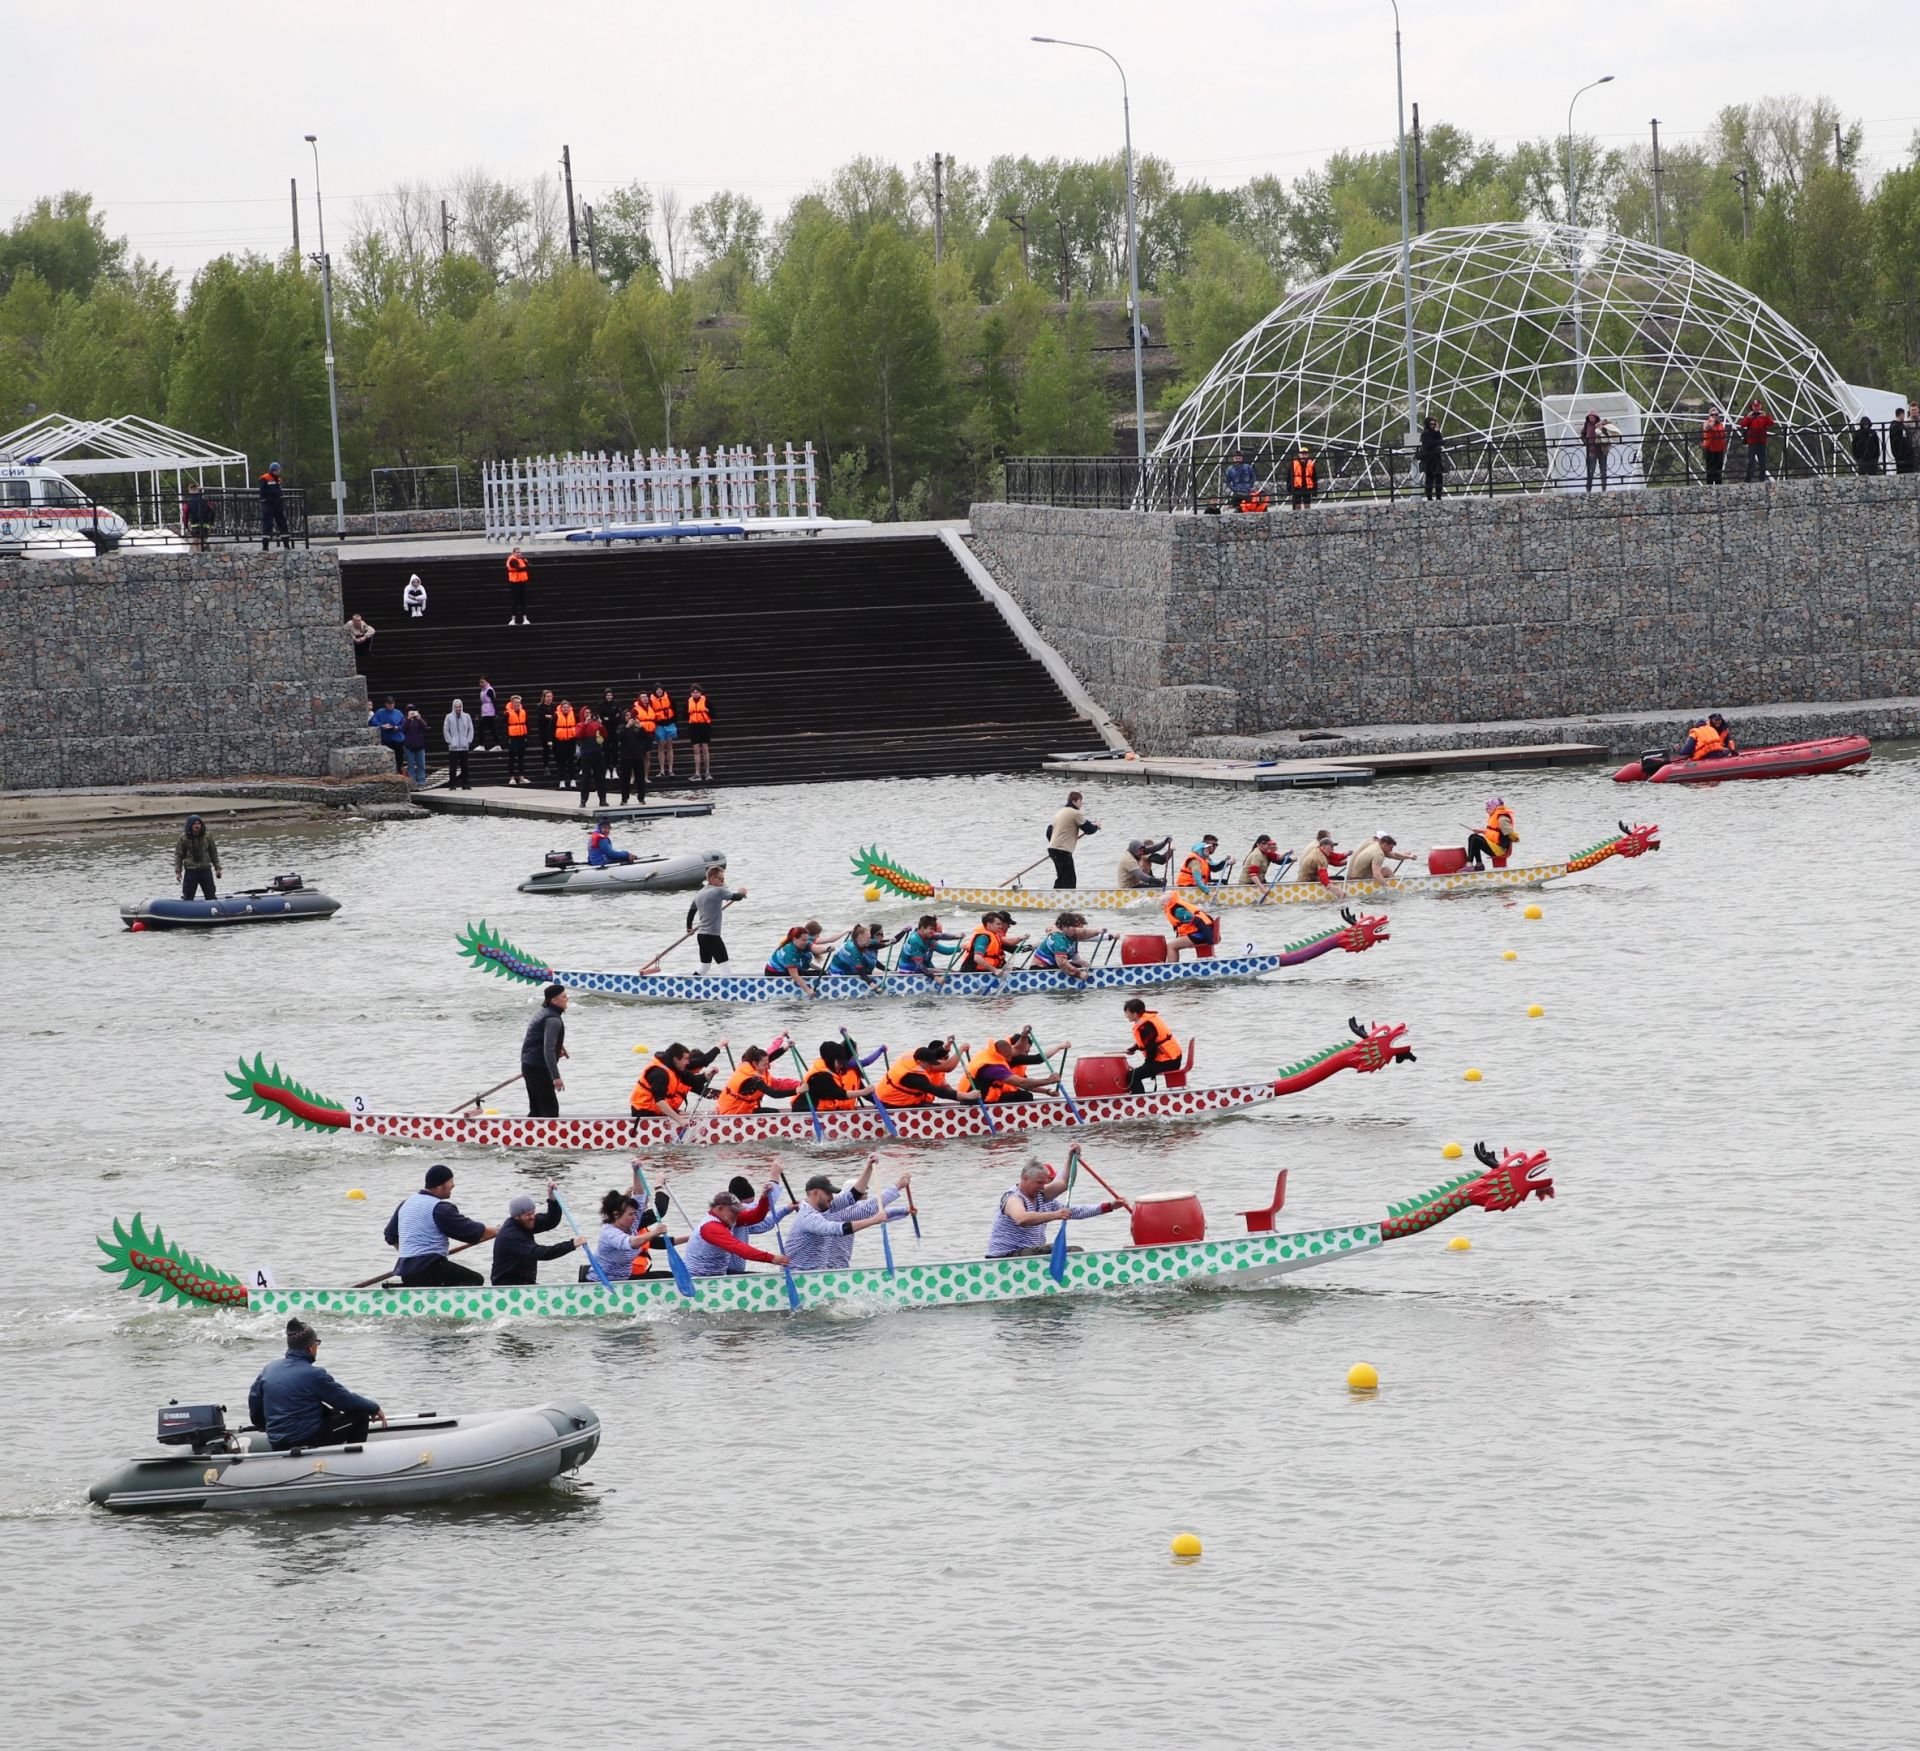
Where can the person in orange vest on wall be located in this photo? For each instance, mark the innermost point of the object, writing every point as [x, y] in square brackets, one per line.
[1715, 436]
[700, 732]
[517, 585]
[517, 741]
[565, 725]
[1303, 480]
[665, 732]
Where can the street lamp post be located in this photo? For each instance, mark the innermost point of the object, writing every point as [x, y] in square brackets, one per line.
[1573, 188]
[1579, 252]
[1406, 241]
[1133, 253]
[333, 390]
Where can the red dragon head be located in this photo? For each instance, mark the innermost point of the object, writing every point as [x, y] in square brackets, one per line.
[1378, 1048]
[1511, 1178]
[1635, 840]
[1363, 932]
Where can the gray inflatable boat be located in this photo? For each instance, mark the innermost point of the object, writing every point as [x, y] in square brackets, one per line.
[675, 873]
[414, 1460]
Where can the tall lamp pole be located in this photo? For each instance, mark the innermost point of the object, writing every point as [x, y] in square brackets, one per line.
[1133, 253]
[1406, 241]
[1573, 188]
[333, 389]
[1573, 221]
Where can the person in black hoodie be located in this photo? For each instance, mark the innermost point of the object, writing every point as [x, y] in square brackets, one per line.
[1432, 455]
[544, 1045]
[634, 743]
[516, 1254]
[1866, 446]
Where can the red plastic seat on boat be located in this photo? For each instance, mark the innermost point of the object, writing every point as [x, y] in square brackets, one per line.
[1261, 1221]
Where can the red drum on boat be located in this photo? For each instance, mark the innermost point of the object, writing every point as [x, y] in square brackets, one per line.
[1139, 951]
[1446, 860]
[1163, 1218]
[1100, 1075]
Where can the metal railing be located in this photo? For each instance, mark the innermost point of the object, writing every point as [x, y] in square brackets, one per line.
[73, 521]
[1663, 453]
[239, 515]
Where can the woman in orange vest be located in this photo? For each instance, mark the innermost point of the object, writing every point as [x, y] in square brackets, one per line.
[833, 1081]
[517, 742]
[700, 733]
[1494, 841]
[750, 1084]
[670, 1076]
[666, 733]
[1153, 1040]
[1192, 928]
[517, 584]
[563, 732]
[994, 1072]
[919, 1078]
[1200, 868]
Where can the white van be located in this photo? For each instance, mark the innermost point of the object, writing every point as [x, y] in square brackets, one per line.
[36, 503]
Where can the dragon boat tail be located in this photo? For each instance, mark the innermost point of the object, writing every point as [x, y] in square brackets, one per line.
[269, 1092]
[491, 952]
[876, 869]
[145, 1260]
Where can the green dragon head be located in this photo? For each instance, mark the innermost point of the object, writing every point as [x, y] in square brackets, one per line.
[278, 1096]
[492, 953]
[873, 865]
[154, 1265]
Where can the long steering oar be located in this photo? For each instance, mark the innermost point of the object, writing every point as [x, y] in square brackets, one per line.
[1017, 874]
[1124, 1203]
[384, 1275]
[682, 1277]
[653, 966]
[475, 1101]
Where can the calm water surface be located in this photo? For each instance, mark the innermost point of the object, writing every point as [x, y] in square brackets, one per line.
[1641, 1471]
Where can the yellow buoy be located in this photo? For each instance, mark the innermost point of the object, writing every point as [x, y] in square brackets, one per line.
[1508, 955]
[1459, 1243]
[1531, 912]
[1452, 1152]
[492, 1111]
[639, 1048]
[1185, 1545]
[872, 893]
[1363, 1377]
[1534, 1011]
[356, 1196]
[1469, 1075]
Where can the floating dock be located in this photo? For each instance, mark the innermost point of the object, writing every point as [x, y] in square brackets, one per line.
[548, 805]
[1322, 774]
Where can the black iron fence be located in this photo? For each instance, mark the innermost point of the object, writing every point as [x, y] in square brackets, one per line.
[68, 519]
[238, 515]
[1662, 453]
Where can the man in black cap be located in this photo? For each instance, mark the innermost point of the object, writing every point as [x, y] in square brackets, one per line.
[300, 1404]
[544, 1045]
[516, 1254]
[422, 1226]
[828, 1218]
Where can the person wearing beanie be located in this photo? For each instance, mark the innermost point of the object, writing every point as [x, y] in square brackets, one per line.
[516, 1254]
[541, 1049]
[421, 1229]
[300, 1404]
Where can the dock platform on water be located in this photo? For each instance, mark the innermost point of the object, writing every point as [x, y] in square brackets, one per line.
[1308, 773]
[549, 805]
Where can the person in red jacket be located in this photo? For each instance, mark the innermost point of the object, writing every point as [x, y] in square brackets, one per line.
[1715, 435]
[1756, 425]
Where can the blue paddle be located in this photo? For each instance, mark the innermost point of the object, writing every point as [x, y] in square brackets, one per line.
[682, 1277]
[806, 1093]
[1057, 1259]
[593, 1260]
[879, 1106]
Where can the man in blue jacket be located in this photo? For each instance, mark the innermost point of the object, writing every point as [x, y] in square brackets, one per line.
[390, 721]
[300, 1404]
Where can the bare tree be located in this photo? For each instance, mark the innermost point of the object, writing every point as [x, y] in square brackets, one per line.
[671, 219]
[492, 213]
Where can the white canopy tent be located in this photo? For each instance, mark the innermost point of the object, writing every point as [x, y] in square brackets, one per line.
[127, 446]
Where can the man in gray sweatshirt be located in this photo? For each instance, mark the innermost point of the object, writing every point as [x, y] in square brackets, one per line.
[703, 916]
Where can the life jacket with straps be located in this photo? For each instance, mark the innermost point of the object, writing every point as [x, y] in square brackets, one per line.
[1254, 501]
[516, 569]
[1715, 436]
[1498, 832]
[985, 950]
[889, 1090]
[1196, 871]
[661, 705]
[563, 722]
[516, 719]
[970, 1077]
[1185, 918]
[643, 714]
[732, 1098]
[848, 1080]
[697, 712]
[1306, 474]
[1158, 1045]
[643, 1099]
[1706, 740]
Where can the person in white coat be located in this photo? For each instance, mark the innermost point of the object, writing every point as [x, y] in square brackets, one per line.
[457, 727]
[414, 597]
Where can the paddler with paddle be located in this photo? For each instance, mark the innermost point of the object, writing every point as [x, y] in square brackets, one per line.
[1201, 868]
[858, 957]
[669, 1076]
[752, 1082]
[1056, 951]
[985, 948]
[828, 1218]
[1322, 861]
[919, 945]
[998, 1069]
[516, 1254]
[919, 1078]
[1027, 1208]
[1376, 860]
[715, 1248]
[622, 1247]
[420, 1230]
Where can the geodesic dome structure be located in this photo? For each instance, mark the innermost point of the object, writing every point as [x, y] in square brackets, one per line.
[1514, 327]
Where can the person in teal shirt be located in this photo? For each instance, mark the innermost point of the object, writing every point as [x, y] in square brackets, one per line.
[859, 956]
[1057, 949]
[919, 945]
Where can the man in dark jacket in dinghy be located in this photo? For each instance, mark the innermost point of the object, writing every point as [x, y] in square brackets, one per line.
[196, 859]
[300, 1404]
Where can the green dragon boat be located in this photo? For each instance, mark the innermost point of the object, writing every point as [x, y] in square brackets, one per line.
[145, 1260]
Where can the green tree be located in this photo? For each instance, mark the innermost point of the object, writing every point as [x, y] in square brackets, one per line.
[623, 234]
[1063, 404]
[65, 242]
[642, 352]
[1229, 288]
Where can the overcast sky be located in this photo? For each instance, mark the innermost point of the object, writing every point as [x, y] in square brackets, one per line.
[186, 120]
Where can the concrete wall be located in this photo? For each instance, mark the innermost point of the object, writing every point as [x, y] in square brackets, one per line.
[140, 668]
[1524, 606]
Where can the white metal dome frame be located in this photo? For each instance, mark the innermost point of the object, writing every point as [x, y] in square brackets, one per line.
[1507, 318]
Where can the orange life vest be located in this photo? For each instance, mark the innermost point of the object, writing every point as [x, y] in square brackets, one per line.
[1196, 923]
[890, 1092]
[970, 1078]
[1498, 832]
[642, 1099]
[563, 720]
[697, 712]
[1196, 871]
[516, 569]
[731, 1099]
[985, 949]
[849, 1079]
[1254, 501]
[1706, 740]
[516, 719]
[1163, 1050]
[643, 713]
[1306, 475]
[661, 705]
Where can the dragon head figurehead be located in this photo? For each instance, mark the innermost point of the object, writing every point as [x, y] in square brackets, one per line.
[875, 867]
[1362, 932]
[154, 1265]
[492, 953]
[1634, 841]
[1511, 1178]
[1379, 1044]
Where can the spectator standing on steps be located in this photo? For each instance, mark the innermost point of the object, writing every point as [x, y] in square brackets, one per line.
[413, 734]
[643, 716]
[273, 509]
[196, 860]
[665, 732]
[1069, 827]
[565, 725]
[391, 722]
[517, 588]
[542, 725]
[1431, 454]
[1756, 426]
[414, 597]
[541, 1049]
[633, 758]
[1715, 436]
[590, 756]
[457, 727]
[700, 732]
[516, 741]
[487, 725]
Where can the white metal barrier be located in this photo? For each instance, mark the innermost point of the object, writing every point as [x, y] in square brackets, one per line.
[538, 495]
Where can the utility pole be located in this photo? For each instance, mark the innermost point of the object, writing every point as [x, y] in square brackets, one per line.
[446, 231]
[1839, 149]
[1656, 182]
[1019, 222]
[1066, 264]
[1419, 180]
[939, 207]
[293, 189]
[573, 230]
[593, 255]
[333, 389]
[1746, 206]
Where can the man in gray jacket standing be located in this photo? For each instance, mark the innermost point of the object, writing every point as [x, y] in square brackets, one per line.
[457, 727]
[541, 1050]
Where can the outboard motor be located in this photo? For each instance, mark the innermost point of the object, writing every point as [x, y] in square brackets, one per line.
[286, 884]
[559, 860]
[1651, 761]
[203, 1427]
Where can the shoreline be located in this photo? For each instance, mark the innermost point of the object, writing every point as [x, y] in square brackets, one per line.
[28, 816]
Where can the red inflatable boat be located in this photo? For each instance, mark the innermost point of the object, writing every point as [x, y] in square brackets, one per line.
[1788, 760]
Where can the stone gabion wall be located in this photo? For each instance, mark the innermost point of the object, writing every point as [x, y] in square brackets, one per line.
[141, 669]
[1535, 605]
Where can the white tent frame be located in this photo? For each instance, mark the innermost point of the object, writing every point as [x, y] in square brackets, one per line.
[126, 445]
